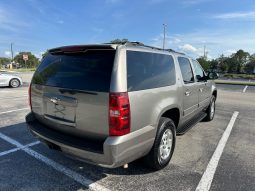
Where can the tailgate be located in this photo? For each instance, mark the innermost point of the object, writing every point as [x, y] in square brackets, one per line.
[70, 92]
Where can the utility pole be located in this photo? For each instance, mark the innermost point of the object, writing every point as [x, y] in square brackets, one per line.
[11, 64]
[12, 52]
[205, 53]
[164, 25]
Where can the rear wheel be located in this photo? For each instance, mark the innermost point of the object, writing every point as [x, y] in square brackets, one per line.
[210, 110]
[164, 145]
[14, 83]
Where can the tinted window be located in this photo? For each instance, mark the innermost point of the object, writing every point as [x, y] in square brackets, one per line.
[198, 70]
[186, 70]
[148, 70]
[88, 71]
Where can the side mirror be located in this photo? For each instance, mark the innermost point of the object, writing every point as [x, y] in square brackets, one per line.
[212, 76]
[201, 79]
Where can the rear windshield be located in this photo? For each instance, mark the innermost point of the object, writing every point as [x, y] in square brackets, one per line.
[89, 71]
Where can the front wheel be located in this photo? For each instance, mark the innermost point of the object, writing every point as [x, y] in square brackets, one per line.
[210, 112]
[164, 145]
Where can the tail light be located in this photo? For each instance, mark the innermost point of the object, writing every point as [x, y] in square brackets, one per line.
[29, 97]
[119, 114]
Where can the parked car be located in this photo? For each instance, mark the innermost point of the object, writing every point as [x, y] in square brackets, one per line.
[111, 104]
[12, 80]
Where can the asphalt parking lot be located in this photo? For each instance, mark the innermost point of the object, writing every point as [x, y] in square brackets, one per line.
[26, 164]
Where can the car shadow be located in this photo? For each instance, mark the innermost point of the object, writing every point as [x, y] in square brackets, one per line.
[25, 84]
[20, 133]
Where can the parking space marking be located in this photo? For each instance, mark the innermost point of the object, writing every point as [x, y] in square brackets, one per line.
[207, 178]
[245, 88]
[58, 167]
[1, 113]
[22, 96]
[16, 149]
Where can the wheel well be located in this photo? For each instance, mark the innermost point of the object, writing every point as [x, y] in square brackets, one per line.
[173, 114]
[215, 94]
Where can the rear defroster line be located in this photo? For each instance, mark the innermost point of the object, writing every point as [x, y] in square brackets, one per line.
[60, 168]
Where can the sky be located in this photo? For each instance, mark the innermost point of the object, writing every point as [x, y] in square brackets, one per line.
[223, 27]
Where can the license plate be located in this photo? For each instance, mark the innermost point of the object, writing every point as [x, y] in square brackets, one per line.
[60, 111]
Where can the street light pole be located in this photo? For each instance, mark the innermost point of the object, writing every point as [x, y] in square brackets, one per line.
[12, 51]
[164, 25]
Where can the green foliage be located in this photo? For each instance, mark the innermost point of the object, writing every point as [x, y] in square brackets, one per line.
[222, 64]
[44, 54]
[3, 61]
[239, 62]
[32, 61]
[204, 63]
[119, 41]
[240, 58]
[242, 76]
[214, 64]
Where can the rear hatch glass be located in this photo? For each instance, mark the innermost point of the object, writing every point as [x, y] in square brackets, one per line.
[90, 71]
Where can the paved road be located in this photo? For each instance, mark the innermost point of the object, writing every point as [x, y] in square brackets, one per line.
[236, 88]
[22, 170]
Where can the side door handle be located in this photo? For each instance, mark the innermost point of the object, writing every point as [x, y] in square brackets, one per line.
[201, 89]
[187, 93]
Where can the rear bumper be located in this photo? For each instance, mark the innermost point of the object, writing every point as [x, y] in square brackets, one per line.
[115, 151]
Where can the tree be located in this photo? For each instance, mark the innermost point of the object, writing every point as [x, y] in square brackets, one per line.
[119, 41]
[214, 65]
[222, 64]
[250, 66]
[44, 54]
[3, 61]
[32, 61]
[204, 63]
[241, 58]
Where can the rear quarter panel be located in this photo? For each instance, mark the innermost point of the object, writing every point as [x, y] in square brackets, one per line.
[148, 105]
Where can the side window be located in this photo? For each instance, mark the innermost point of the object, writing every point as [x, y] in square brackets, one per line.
[198, 70]
[149, 70]
[186, 70]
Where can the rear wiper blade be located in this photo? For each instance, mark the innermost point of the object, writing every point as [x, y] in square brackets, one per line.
[72, 92]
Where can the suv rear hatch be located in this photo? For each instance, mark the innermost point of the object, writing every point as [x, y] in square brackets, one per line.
[70, 90]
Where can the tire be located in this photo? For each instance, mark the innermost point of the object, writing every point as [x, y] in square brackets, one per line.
[210, 111]
[160, 154]
[14, 83]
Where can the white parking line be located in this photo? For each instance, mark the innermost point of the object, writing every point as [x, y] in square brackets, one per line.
[6, 98]
[207, 178]
[16, 149]
[245, 88]
[60, 168]
[1, 113]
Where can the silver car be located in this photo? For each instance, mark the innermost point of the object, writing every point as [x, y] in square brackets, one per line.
[11, 80]
[111, 104]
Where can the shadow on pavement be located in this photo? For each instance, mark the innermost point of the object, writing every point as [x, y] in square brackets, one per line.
[20, 133]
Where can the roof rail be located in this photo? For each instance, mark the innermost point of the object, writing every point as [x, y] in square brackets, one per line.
[152, 47]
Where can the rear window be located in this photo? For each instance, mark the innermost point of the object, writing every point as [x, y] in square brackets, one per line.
[89, 71]
[149, 70]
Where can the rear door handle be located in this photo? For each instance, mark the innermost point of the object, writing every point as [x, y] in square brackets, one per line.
[201, 89]
[187, 93]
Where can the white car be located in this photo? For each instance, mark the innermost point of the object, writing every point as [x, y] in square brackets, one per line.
[11, 80]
